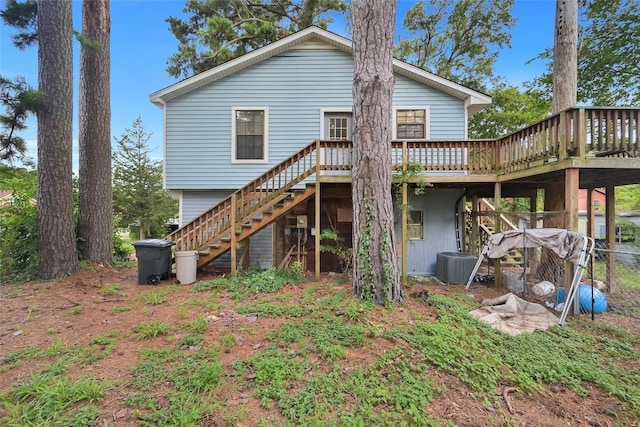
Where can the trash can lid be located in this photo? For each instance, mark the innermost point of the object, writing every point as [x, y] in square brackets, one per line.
[153, 243]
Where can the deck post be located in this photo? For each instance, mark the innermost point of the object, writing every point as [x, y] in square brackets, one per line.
[580, 129]
[571, 184]
[403, 210]
[317, 214]
[533, 208]
[234, 253]
[610, 212]
[474, 244]
[497, 196]
[563, 136]
[591, 216]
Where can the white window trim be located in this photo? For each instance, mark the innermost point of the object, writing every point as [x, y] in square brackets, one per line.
[427, 115]
[265, 145]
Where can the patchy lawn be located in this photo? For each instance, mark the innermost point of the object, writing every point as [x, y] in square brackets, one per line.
[266, 350]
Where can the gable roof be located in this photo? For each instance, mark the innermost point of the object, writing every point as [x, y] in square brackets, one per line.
[474, 100]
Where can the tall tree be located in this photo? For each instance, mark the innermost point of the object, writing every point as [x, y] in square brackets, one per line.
[457, 39]
[56, 238]
[138, 196]
[608, 72]
[565, 56]
[95, 201]
[376, 275]
[220, 30]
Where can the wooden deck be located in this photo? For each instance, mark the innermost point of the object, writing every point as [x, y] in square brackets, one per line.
[600, 146]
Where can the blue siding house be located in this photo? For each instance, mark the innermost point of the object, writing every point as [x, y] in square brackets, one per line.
[228, 126]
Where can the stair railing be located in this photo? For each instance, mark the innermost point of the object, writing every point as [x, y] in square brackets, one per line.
[249, 200]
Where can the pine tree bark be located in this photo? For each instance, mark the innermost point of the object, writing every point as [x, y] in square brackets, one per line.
[565, 94]
[375, 268]
[565, 56]
[56, 237]
[95, 204]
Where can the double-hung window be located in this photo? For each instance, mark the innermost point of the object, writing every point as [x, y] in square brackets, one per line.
[411, 123]
[249, 135]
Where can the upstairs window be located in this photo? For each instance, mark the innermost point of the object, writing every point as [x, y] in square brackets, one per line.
[250, 135]
[411, 123]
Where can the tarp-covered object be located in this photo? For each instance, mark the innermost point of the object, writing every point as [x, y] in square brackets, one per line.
[566, 244]
[513, 315]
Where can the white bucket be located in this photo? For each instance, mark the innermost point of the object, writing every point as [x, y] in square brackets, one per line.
[186, 266]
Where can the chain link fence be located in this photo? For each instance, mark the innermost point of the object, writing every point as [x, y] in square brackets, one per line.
[538, 275]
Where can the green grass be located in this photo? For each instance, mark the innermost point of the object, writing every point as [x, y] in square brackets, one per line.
[329, 360]
[49, 397]
[108, 290]
[148, 330]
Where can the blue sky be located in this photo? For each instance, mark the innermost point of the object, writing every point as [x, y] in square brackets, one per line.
[141, 43]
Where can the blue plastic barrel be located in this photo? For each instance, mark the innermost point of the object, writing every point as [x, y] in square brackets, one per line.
[584, 296]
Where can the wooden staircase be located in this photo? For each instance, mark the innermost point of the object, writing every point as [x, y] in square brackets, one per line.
[248, 210]
[490, 222]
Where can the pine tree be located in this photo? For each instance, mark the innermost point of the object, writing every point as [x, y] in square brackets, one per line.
[138, 196]
[376, 275]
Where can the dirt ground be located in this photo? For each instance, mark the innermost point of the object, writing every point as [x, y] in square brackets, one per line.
[41, 313]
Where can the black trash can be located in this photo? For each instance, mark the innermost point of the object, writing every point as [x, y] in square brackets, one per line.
[154, 260]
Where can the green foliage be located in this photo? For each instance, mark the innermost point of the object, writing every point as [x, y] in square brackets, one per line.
[327, 336]
[188, 378]
[138, 196]
[108, 290]
[252, 282]
[151, 329]
[628, 197]
[332, 243]
[627, 231]
[267, 308]
[457, 40]
[511, 109]
[608, 57]
[220, 30]
[273, 370]
[48, 399]
[22, 15]
[18, 226]
[19, 101]
[608, 73]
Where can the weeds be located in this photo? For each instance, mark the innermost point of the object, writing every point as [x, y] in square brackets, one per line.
[108, 290]
[47, 399]
[151, 329]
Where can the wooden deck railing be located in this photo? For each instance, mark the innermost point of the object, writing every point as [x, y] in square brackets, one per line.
[581, 132]
[247, 201]
[590, 132]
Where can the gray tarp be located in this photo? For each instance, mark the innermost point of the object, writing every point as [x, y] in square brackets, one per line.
[566, 244]
[514, 315]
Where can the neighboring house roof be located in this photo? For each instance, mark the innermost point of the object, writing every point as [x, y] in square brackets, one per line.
[6, 197]
[474, 100]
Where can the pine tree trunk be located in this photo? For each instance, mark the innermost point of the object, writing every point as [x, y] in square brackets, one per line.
[565, 93]
[565, 56]
[56, 238]
[375, 268]
[95, 213]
